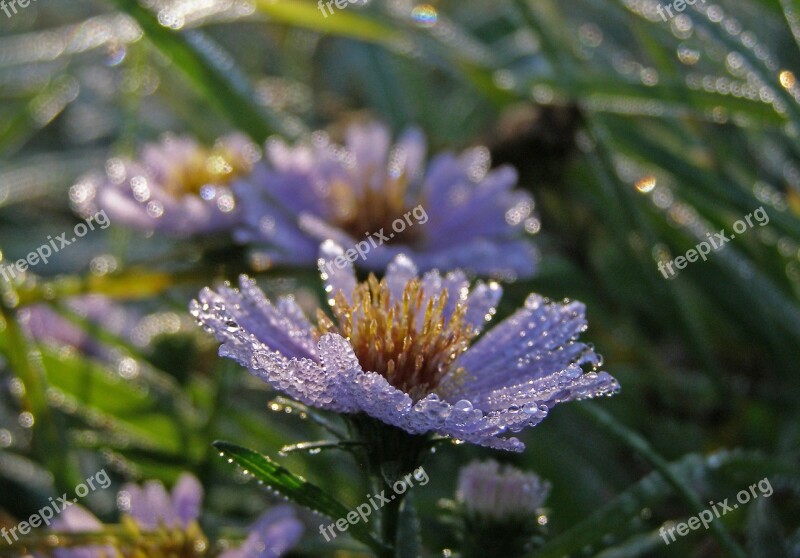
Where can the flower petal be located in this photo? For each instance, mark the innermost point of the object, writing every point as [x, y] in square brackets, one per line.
[336, 278]
[187, 498]
[77, 519]
[276, 532]
[228, 310]
[535, 341]
[399, 272]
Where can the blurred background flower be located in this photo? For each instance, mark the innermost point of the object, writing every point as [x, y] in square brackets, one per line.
[501, 492]
[176, 186]
[458, 213]
[158, 524]
[47, 325]
[500, 509]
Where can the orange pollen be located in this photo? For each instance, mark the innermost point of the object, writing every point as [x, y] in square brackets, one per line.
[410, 342]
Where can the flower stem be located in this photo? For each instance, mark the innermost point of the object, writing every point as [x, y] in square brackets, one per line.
[390, 520]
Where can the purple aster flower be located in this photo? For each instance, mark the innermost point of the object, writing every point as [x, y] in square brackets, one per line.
[76, 519]
[499, 507]
[151, 506]
[275, 533]
[165, 525]
[45, 325]
[380, 198]
[500, 492]
[405, 351]
[169, 519]
[176, 186]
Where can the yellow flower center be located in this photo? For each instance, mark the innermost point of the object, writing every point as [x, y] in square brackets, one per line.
[410, 342]
[370, 210]
[129, 540]
[217, 166]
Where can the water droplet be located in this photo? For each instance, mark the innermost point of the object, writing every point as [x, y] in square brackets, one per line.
[425, 15]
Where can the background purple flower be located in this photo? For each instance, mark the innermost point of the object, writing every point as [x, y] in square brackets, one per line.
[45, 325]
[151, 505]
[276, 532]
[402, 351]
[76, 519]
[473, 219]
[500, 491]
[152, 509]
[176, 186]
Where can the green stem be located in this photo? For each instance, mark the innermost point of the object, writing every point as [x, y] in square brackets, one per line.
[386, 452]
[390, 514]
[50, 438]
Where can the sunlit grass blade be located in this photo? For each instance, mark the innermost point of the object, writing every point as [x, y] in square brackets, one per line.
[213, 74]
[634, 441]
[344, 23]
[37, 113]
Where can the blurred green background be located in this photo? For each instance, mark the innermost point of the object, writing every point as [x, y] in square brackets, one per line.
[635, 135]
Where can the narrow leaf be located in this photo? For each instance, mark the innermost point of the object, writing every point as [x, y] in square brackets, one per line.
[295, 488]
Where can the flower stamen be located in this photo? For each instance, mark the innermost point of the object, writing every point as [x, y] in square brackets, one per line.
[385, 205]
[411, 342]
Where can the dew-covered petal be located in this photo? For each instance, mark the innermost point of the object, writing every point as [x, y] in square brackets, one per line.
[337, 278]
[571, 384]
[303, 379]
[399, 272]
[481, 303]
[224, 311]
[537, 340]
[342, 369]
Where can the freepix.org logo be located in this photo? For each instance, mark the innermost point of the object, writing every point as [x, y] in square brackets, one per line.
[53, 245]
[56, 506]
[9, 7]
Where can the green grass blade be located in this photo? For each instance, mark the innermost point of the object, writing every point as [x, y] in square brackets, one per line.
[295, 488]
[214, 76]
[633, 440]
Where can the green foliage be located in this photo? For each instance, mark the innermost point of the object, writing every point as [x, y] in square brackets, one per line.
[636, 137]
